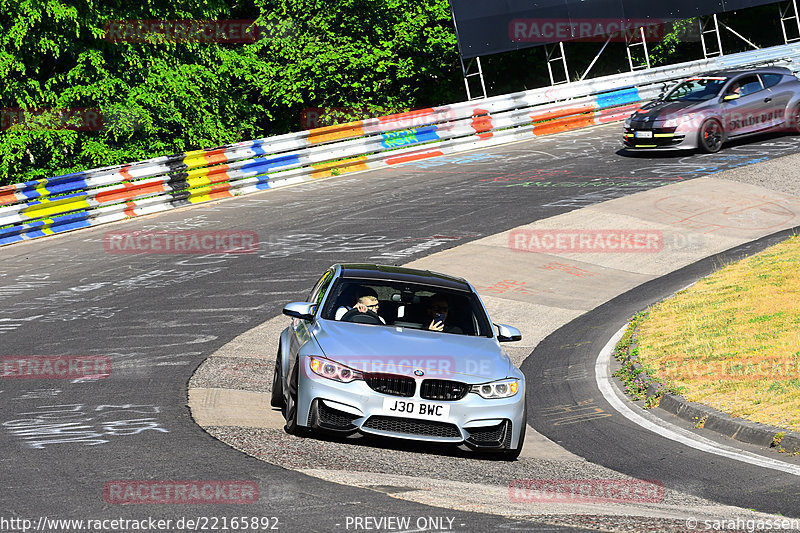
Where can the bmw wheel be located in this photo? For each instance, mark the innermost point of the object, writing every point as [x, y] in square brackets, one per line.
[277, 399]
[711, 136]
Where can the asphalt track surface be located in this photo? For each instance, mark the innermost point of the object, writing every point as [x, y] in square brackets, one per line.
[562, 369]
[157, 316]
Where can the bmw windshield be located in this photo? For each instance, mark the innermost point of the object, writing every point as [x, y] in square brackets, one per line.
[408, 305]
[695, 90]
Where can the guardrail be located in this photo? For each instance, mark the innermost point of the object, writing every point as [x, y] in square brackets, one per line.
[98, 196]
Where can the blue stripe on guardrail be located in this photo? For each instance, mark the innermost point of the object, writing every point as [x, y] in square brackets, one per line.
[258, 148]
[10, 237]
[262, 164]
[621, 97]
[42, 227]
[67, 183]
[396, 139]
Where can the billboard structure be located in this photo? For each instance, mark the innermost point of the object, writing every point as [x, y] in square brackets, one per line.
[486, 28]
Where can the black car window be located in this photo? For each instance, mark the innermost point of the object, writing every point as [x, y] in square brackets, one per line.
[748, 85]
[410, 305]
[695, 89]
[771, 80]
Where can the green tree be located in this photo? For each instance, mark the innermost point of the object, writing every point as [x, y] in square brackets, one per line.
[162, 97]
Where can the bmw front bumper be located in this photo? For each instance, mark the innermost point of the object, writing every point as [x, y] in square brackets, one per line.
[349, 407]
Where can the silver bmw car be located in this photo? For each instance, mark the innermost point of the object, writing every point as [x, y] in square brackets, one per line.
[703, 112]
[401, 353]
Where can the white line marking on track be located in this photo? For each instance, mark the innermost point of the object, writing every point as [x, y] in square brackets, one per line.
[667, 430]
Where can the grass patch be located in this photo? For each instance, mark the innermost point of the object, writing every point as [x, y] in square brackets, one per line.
[637, 378]
[732, 340]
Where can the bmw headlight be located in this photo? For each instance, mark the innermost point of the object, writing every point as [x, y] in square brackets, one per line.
[628, 122]
[671, 123]
[333, 370]
[504, 388]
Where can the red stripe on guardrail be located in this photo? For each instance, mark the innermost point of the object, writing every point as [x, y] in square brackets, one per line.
[482, 123]
[129, 191]
[415, 157]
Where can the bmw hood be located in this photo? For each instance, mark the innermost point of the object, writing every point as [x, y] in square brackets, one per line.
[412, 352]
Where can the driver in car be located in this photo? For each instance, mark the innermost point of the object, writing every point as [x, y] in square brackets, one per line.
[367, 300]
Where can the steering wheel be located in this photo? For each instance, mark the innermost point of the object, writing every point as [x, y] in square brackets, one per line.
[356, 316]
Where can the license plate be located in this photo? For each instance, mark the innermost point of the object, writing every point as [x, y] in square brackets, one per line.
[643, 134]
[412, 409]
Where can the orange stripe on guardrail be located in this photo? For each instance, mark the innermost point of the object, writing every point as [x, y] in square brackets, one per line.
[334, 133]
[213, 157]
[130, 190]
[616, 113]
[347, 165]
[220, 190]
[482, 123]
[415, 157]
[564, 124]
[7, 197]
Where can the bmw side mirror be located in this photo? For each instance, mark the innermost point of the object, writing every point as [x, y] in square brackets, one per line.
[301, 310]
[507, 333]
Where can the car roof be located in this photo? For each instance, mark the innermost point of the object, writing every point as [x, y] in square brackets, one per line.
[736, 72]
[396, 273]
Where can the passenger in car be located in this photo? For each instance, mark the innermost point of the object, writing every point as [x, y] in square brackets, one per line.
[437, 311]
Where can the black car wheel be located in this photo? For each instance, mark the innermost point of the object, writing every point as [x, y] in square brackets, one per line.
[277, 400]
[793, 120]
[711, 136]
[290, 409]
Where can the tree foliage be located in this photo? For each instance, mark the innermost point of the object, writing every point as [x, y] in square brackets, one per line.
[162, 97]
